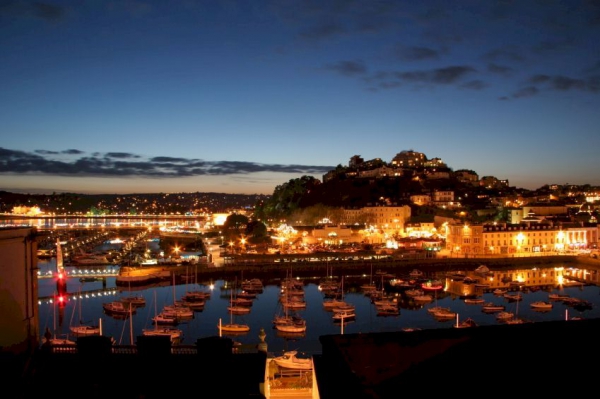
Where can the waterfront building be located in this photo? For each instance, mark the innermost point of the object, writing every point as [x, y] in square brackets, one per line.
[522, 239]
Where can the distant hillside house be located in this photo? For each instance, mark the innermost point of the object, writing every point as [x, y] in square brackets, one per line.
[384, 171]
[420, 199]
[437, 174]
[386, 218]
[409, 159]
[516, 215]
[493, 182]
[467, 177]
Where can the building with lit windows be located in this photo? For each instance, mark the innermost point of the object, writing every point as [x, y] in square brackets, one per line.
[409, 159]
[520, 239]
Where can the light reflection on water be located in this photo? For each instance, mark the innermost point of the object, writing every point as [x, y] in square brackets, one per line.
[265, 306]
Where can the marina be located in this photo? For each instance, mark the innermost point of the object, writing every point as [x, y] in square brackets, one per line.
[125, 328]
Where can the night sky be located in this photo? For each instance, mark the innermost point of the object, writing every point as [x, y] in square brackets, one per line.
[242, 96]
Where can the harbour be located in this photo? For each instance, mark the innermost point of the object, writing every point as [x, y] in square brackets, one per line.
[412, 314]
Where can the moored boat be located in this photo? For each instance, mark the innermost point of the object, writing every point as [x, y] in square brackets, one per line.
[541, 305]
[290, 360]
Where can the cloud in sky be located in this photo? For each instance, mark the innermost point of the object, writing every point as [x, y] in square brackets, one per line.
[272, 90]
[121, 164]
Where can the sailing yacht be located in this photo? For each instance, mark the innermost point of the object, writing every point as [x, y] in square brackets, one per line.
[231, 327]
[169, 331]
[292, 324]
[330, 304]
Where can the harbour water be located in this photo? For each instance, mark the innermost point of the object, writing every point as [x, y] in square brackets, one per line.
[87, 297]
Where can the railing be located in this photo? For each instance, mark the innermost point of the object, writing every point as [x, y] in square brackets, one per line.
[176, 350]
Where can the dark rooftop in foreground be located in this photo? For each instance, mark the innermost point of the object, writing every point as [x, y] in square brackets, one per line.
[535, 358]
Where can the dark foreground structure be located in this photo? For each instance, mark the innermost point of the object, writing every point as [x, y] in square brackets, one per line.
[536, 359]
[533, 358]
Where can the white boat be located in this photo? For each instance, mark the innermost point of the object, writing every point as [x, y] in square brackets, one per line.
[466, 323]
[84, 330]
[504, 315]
[444, 314]
[178, 311]
[437, 309]
[558, 297]
[239, 310]
[174, 333]
[118, 308]
[491, 307]
[333, 303]
[163, 318]
[289, 360]
[231, 327]
[425, 298]
[344, 315]
[290, 323]
[541, 305]
[388, 310]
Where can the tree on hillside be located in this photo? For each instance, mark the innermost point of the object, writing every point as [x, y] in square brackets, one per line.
[257, 232]
[235, 225]
[285, 199]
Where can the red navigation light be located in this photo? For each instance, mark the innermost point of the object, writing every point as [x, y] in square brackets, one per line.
[60, 275]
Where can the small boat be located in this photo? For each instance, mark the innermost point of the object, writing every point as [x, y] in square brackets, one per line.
[515, 320]
[557, 297]
[135, 300]
[491, 307]
[163, 318]
[435, 309]
[231, 327]
[444, 314]
[174, 333]
[513, 297]
[348, 307]
[466, 323]
[415, 273]
[474, 301]
[482, 270]
[344, 315]
[290, 360]
[423, 298]
[235, 328]
[84, 330]
[413, 292]
[541, 305]
[504, 315]
[118, 308]
[291, 327]
[388, 310]
[239, 310]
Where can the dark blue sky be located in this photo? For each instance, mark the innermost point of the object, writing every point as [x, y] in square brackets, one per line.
[241, 96]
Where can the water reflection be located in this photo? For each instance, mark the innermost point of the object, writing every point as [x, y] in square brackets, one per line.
[535, 284]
